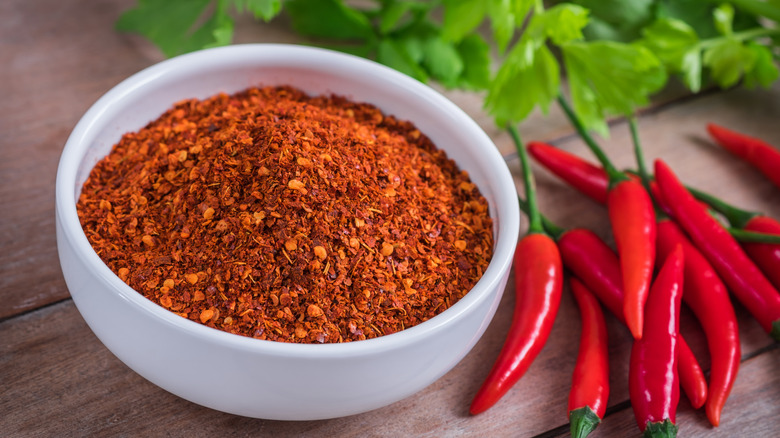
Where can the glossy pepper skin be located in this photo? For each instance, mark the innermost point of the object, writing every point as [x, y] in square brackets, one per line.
[653, 383]
[588, 178]
[739, 273]
[632, 216]
[596, 265]
[753, 150]
[706, 295]
[538, 288]
[590, 380]
[765, 255]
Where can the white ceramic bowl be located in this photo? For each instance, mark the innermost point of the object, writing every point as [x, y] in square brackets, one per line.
[266, 379]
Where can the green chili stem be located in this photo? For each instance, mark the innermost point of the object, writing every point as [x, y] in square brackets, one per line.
[612, 172]
[534, 217]
[736, 217]
[640, 157]
[549, 226]
[753, 236]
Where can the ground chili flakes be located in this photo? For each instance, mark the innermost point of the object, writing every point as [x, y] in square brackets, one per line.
[280, 216]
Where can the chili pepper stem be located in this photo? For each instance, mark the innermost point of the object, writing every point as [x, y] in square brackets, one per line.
[736, 217]
[549, 226]
[661, 429]
[640, 157]
[748, 236]
[534, 218]
[612, 172]
[583, 421]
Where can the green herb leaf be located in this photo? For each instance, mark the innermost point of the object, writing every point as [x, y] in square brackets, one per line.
[475, 53]
[330, 19]
[262, 9]
[764, 71]
[461, 17]
[724, 19]
[677, 46]
[395, 55]
[610, 78]
[617, 20]
[502, 20]
[563, 23]
[529, 76]
[170, 24]
[391, 15]
[691, 67]
[728, 60]
[442, 60]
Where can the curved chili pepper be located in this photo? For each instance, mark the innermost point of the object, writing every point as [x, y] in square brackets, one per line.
[633, 226]
[632, 216]
[595, 264]
[588, 178]
[736, 269]
[691, 375]
[653, 384]
[592, 181]
[766, 255]
[538, 287]
[706, 295]
[753, 150]
[590, 381]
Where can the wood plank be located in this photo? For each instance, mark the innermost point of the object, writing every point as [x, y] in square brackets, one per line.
[53, 367]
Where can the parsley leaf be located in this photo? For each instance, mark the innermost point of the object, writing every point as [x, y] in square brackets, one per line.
[461, 17]
[442, 60]
[262, 9]
[475, 53]
[675, 43]
[529, 76]
[727, 60]
[606, 77]
[330, 19]
[398, 56]
[170, 24]
[764, 71]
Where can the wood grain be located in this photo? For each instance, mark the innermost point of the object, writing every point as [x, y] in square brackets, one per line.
[59, 380]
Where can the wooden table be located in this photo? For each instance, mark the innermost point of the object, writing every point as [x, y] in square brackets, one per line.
[56, 378]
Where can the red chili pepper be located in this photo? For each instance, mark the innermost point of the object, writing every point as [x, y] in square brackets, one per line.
[633, 226]
[706, 295]
[653, 383]
[590, 382]
[592, 181]
[691, 375]
[766, 255]
[538, 287]
[588, 178]
[753, 150]
[740, 274]
[632, 216]
[595, 264]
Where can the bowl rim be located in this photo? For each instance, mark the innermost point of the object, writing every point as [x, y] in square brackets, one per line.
[82, 136]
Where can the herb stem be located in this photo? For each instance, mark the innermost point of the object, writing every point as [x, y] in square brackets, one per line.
[756, 7]
[640, 157]
[740, 36]
[534, 217]
[614, 174]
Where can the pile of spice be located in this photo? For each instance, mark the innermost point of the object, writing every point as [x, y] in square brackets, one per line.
[280, 216]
